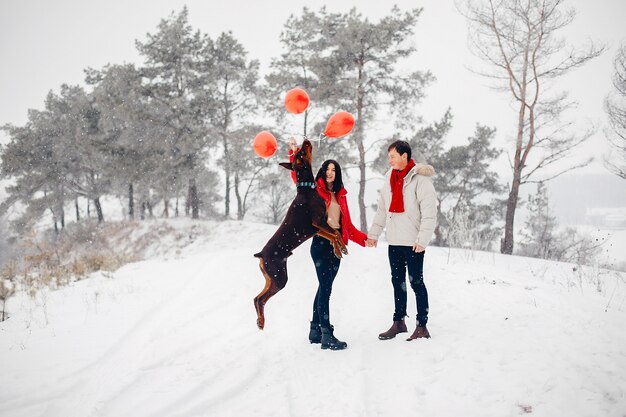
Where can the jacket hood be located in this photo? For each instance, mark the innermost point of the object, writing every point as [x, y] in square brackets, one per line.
[424, 169]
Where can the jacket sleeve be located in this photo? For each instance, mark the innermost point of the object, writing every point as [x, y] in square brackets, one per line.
[293, 173]
[427, 198]
[356, 235]
[380, 219]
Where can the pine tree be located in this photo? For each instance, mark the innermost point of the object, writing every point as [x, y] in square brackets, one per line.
[175, 59]
[539, 235]
[230, 95]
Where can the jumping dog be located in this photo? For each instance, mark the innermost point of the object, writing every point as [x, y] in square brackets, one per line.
[305, 218]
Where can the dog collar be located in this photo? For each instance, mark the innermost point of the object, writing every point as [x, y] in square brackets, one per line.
[306, 184]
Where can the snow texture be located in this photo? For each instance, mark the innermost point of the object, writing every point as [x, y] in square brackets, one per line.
[176, 335]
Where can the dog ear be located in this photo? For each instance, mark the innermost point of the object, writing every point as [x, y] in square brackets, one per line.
[286, 165]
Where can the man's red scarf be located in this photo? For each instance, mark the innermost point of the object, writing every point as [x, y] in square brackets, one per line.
[397, 181]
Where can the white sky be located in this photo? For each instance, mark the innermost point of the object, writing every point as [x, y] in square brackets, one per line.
[44, 44]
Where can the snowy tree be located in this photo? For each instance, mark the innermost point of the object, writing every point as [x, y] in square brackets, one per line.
[175, 58]
[520, 44]
[542, 239]
[126, 124]
[539, 235]
[84, 146]
[301, 65]
[615, 105]
[230, 97]
[297, 66]
[466, 186]
[43, 159]
[278, 193]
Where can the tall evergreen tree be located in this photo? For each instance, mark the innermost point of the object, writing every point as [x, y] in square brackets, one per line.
[126, 126]
[174, 61]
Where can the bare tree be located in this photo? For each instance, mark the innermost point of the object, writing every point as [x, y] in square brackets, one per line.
[615, 105]
[519, 42]
[278, 193]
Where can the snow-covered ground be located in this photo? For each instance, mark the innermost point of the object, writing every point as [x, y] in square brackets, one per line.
[175, 335]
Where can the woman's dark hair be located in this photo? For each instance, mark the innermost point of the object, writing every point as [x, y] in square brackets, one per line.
[401, 147]
[338, 183]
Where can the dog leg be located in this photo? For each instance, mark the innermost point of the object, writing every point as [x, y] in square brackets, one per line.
[272, 286]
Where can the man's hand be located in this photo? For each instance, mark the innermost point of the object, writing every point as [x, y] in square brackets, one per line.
[417, 248]
[371, 243]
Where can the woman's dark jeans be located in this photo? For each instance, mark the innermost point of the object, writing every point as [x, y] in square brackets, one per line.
[326, 266]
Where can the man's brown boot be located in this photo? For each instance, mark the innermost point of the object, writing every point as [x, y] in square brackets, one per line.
[396, 327]
[419, 333]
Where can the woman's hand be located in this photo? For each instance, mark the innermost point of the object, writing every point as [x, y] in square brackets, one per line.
[293, 145]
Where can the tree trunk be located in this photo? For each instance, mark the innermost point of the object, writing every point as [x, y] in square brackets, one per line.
[88, 208]
[511, 205]
[131, 201]
[506, 245]
[359, 140]
[194, 203]
[306, 116]
[227, 172]
[176, 208]
[188, 200]
[241, 210]
[150, 209]
[142, 215]
[96, 202]
[77, 211]
[166, 208]
[62, 218]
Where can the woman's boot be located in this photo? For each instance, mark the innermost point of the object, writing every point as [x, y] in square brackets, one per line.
[397, 327]
[329, 341]
[315, 334]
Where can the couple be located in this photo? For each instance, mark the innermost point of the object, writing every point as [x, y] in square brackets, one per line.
[407, 207]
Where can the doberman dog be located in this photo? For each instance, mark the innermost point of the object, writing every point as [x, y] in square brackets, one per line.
[305, 218]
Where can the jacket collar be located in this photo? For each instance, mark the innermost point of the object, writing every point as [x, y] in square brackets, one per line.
[419, 169]
[321, 185]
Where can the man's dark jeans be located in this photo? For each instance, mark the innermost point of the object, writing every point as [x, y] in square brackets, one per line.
[402, 258]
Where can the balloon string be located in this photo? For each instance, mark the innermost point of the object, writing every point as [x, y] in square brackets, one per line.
[318, 139]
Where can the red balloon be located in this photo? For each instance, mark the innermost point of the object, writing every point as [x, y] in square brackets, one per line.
[296, 101]
[264, 144]
[339, 124]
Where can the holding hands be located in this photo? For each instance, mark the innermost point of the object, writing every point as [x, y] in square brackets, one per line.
[372, 243]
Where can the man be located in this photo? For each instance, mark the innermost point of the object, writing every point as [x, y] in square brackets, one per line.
[407, 207]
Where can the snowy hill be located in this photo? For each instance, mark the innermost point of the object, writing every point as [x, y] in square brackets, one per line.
[175, 335]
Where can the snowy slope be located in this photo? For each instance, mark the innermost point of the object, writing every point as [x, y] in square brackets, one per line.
[175, 335]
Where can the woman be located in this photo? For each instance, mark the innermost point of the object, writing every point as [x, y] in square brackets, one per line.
[330, 188]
